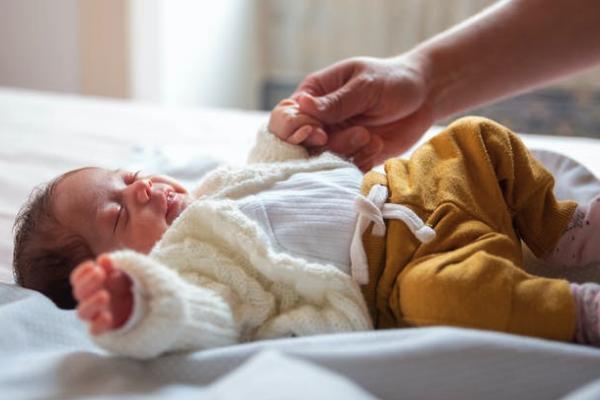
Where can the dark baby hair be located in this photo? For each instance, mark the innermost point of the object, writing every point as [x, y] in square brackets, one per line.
[45, 252]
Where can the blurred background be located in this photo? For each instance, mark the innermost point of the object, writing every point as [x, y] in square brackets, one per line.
[244, 53]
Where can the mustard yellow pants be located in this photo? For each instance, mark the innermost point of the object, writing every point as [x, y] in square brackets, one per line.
[481, 190]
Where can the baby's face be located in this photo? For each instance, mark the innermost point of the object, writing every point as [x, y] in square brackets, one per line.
[118, 209]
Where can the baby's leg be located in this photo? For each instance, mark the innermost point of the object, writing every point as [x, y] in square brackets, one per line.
[509, 188]
[580, 243]
[478, 286]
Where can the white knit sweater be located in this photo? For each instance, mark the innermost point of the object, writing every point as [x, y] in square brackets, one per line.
[213, 279]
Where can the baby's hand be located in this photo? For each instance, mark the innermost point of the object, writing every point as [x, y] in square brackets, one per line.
[104, 294]
[294, 127]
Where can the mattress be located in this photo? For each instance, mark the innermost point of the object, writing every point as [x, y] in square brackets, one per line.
[46, 352]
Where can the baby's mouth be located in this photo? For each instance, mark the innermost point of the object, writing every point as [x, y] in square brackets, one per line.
[176, 203]
[172, 210]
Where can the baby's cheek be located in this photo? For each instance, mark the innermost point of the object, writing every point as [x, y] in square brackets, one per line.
[143, 239]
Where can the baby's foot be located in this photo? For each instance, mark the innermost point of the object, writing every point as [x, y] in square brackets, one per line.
[580, 243]
[587, 303]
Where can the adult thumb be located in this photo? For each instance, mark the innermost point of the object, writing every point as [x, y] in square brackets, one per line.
[338, 106]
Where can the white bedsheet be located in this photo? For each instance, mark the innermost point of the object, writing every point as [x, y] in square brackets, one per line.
[45, 352]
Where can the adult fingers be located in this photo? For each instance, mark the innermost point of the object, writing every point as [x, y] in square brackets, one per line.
[327, 79]
[346, 142]
[399, 136]
[367, 156]
[350, 100]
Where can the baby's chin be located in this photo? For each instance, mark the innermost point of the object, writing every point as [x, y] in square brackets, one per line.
[175, 206]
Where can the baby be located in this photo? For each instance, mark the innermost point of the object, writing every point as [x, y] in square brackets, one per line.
[289, 246]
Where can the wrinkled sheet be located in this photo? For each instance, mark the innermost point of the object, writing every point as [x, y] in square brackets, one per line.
[46, 353]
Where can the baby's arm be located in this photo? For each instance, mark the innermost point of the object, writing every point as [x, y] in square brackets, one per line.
[176, 315]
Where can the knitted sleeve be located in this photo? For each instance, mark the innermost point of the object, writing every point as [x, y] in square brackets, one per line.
[269, 148]
[178, 315]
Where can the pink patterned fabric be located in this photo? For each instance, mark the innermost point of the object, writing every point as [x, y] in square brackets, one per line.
[587, 301]
[580, 244]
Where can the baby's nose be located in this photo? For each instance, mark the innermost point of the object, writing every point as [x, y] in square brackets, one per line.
[144, 190]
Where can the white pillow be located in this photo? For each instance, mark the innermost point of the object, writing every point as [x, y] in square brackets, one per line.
[573, 180]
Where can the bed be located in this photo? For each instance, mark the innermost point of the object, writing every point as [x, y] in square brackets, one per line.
[45, 352]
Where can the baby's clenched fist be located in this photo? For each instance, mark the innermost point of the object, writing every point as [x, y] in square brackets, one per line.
[104, 294]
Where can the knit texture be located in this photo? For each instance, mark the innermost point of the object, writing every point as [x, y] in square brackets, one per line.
[213, 280]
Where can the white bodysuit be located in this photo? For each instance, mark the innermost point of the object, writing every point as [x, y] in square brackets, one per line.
[309, 215]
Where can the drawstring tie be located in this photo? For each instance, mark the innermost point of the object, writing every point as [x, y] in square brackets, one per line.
[373, 208]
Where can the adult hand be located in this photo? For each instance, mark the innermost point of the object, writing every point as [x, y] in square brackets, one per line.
[469, 65]
[372, 108]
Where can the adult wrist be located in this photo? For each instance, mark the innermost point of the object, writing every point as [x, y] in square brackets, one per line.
[439, 78]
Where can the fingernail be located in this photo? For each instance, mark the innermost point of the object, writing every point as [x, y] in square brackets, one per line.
[303, 97]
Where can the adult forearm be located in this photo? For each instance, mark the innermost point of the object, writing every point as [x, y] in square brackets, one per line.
[508, 48]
